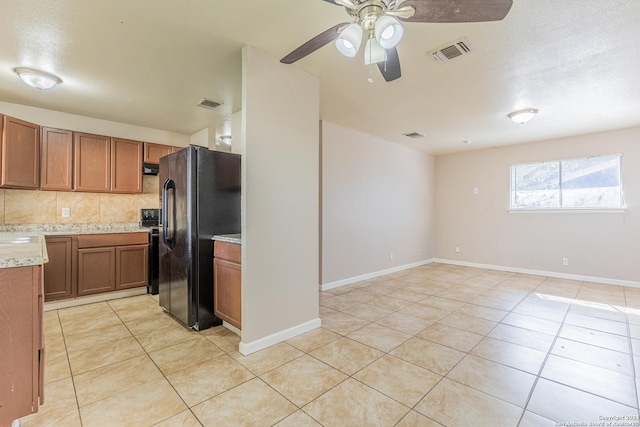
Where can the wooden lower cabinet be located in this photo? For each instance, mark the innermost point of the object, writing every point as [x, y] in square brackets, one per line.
[58, 281]
[90, 264]
[96, 270]
[131, 266]
[21, 342]
[227, 283]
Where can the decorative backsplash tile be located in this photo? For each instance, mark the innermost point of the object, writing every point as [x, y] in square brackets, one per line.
[84, 207]
[29, 206]
[45, 207]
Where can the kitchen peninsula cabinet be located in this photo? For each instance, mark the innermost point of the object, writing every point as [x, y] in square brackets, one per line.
[126, 166]
[58, 280]
[92, 162]
[21, 342]
[20, 154]
[109, 262]
[56, 161]
[227, 280]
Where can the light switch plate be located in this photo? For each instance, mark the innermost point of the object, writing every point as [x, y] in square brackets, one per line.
[66, 212]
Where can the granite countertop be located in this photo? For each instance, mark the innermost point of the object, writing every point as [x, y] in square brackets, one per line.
[68, 229]
[22, 249]
[229, 238]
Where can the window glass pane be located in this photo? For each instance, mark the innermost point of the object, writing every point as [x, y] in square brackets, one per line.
[591, 183]
[535, 185]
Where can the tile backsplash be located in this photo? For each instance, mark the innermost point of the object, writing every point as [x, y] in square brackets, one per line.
[45, 207]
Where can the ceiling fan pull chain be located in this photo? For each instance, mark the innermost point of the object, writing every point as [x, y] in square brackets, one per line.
[370, 79]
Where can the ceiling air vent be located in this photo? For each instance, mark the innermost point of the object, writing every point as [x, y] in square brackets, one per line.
[414, 135]
[452, 50]
[207, 103]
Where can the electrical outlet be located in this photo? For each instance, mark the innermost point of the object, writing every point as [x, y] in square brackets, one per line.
[391, 256]
[457, 249]
[565, 261]
[66, 212]
[476, 190]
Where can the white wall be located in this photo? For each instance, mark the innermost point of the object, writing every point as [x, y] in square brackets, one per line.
[598, 245]
[77, 123]
[377, 199]
[236, 132]
[280, 167]
[201, 138]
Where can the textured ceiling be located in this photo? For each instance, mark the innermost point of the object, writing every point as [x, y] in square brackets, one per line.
[148, 63]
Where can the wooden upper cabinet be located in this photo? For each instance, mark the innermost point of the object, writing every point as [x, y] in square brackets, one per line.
[126, 166]
[153, 152]
[175, 149]
[56, 162]
[92, 162]
[20, 165]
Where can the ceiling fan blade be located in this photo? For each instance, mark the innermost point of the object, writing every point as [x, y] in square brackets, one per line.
[390, 69]
[457, 10]
[314, 44]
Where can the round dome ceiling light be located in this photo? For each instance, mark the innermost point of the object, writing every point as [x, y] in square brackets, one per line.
[37, 79]
[522, 116]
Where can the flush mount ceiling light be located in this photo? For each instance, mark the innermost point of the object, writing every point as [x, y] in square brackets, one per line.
[37, 79]
[522, 116]
[226, 139]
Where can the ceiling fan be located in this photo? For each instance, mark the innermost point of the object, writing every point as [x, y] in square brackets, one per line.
[379, 21]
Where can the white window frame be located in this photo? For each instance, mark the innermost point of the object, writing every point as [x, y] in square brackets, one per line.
[556, 209]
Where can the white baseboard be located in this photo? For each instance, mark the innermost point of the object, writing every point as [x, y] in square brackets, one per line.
[555, 274]
[232, 328]
[338, 283]
[72, 302]
[259, 344]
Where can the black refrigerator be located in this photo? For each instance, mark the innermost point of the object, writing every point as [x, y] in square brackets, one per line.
[199, 198]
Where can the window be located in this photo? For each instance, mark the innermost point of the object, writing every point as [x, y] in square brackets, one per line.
[587, 183]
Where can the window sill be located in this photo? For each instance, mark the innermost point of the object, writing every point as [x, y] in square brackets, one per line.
[569, 210]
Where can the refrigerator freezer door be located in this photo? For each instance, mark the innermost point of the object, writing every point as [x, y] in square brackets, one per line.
[175, 251]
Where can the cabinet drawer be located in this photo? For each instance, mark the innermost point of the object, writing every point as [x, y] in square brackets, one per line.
[112, 239]
[228, 251]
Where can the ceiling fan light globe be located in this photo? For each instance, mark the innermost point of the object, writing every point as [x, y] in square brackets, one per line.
[373, 52]
[349, 40]
[388, 31]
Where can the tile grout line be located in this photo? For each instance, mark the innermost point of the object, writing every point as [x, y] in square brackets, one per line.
[544, 362]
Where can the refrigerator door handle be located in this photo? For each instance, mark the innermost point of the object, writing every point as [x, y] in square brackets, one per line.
[169, 184]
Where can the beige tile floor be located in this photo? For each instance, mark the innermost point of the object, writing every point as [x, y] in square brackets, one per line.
[434, 345]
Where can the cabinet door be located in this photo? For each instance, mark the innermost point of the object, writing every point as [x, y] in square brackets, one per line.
[91, 162]
[56, 169]
[131, 266]
[19, 342]
[153, 152]
[57, 272]
[96, 270]
[126, 166]
[227, 291]
[20, 154]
